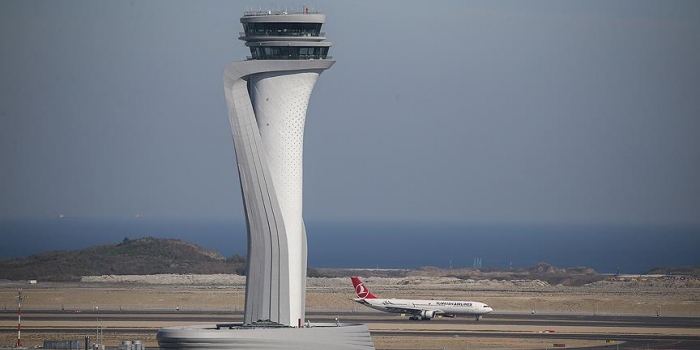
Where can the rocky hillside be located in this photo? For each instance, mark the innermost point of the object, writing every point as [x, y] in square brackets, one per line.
[150, 256]
[142, 256]
[675, 271]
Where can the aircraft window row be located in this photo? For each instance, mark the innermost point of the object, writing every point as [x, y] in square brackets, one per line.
[453, 303]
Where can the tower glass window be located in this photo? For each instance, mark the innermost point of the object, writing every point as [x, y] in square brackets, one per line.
[288, 52]
[282, 29]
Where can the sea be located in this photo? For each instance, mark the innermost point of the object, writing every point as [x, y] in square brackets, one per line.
[389, 245]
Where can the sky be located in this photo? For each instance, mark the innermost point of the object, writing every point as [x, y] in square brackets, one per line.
[515, 112]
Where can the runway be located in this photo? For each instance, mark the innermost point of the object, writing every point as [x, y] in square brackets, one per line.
[615, 332]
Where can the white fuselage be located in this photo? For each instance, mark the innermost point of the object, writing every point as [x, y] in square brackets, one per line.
[436, 307]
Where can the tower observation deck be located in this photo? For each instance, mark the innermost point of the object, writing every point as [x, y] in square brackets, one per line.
[284, 35]
[267, 97]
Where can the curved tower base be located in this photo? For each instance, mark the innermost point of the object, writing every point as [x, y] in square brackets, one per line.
[342, 336]
[267, 102]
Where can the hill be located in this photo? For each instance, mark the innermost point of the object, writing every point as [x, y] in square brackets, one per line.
[676, 271]
[143, 256]
[150, 256]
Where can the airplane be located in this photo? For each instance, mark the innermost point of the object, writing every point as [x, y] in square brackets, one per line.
[419, 309]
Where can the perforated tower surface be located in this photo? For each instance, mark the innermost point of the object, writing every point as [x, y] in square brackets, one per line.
[267, 97]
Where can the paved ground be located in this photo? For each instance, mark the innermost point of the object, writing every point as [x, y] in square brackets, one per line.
[388, 331]
[610, 316]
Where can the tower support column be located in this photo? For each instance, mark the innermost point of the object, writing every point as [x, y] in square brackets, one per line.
[268, 139]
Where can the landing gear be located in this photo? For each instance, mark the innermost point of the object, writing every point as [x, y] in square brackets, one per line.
[478, 317]
[419, 318]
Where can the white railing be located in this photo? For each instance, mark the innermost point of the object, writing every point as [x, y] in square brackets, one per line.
[262, 12]
[278, 33]
[280, 57]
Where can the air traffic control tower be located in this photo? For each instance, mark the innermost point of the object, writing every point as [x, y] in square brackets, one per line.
[267, 97]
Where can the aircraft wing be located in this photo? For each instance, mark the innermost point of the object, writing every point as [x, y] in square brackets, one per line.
[404, 310]
[411, 310]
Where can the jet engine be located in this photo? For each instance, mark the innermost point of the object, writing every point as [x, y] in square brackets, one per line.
[427, 314]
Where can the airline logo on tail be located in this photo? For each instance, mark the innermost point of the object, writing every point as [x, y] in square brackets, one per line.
[361, 290]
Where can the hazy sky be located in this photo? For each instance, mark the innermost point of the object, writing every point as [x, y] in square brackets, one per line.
[555, 112]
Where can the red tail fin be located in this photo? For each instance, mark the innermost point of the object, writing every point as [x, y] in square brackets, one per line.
[360, 289]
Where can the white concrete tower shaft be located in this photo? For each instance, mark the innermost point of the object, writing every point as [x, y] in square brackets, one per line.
[267, 97]
[280, 102]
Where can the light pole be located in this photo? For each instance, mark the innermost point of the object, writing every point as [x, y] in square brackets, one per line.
[19, 318]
